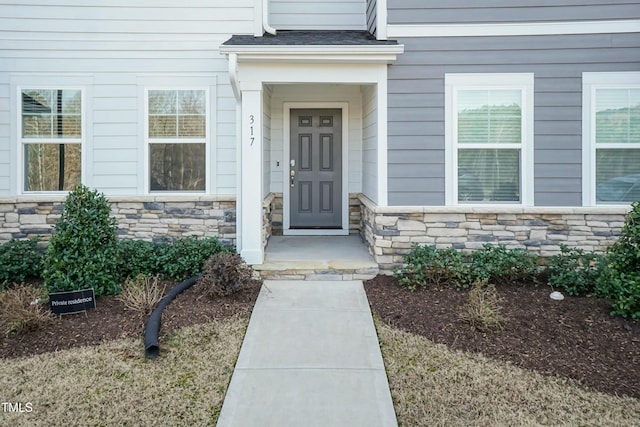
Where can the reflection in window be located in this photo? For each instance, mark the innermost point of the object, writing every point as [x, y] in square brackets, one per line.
[489, 136]
[177, 140]
[177, 167]
[617, 138]
[51, 138]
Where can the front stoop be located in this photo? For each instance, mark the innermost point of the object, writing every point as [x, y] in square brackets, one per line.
[317, 258]
[297, 270]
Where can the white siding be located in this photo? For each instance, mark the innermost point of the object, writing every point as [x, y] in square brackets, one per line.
[120, 46]
[370, 143]
[6, 152]
[266, 144]
[318, 15]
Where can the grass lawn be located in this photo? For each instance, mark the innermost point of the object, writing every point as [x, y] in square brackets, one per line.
[432, 385]
[112, 384]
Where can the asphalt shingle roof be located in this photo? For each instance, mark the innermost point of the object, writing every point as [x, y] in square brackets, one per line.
[310, 38]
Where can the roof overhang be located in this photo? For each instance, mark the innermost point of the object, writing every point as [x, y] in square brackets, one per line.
[315, 53]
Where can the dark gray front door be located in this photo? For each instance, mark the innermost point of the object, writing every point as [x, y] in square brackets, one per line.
[315, 169]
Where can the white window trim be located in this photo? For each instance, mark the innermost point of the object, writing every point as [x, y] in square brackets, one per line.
[177, 81]
[590, 83]
[20, 82]
[521, 81]
[207, 140]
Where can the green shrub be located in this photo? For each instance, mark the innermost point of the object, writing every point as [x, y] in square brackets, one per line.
[170, 259]
[482, 310]
[137, 257]
[19, 259]
[500, 265]
[22, 309]
[224, 274]
[576, 272]
[82, 252]
[624, 267]
[625, 288]
[184, 258]
[426, 266]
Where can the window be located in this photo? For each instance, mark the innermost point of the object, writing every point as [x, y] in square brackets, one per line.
[177, 136]
[611, 122]
[51, 138]
[489, 138]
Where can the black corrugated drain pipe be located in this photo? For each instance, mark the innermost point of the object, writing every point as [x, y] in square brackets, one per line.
[151, 345]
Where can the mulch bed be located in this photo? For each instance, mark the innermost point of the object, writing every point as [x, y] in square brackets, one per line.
[111, 320]
[574, 338]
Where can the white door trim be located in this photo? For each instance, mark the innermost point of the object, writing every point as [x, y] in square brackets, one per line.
[286, 145]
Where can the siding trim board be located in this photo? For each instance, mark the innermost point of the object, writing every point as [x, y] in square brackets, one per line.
[515, 29]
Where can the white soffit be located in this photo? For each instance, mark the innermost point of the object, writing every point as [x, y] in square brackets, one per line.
[312, 53]
[514, 29]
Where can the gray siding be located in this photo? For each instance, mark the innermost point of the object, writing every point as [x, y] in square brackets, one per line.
[372, 24]
[474, 11]
[416, 106]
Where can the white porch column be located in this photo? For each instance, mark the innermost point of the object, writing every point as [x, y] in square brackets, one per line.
[251, 177]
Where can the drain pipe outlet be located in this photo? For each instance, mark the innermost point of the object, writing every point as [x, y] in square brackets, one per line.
[151, 345]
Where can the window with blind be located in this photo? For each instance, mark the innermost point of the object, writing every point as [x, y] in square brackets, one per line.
[610, 138]
[488, 137]
[51, 138]
[177, 137]
[617, 145]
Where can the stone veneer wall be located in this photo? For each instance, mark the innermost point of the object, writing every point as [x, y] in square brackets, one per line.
[275, 203]
[145, 217]
[391, 231]
[268, 206]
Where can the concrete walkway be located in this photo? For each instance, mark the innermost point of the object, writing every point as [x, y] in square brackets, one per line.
[310, 357]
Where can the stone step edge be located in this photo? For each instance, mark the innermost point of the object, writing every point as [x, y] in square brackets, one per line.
[306, 274]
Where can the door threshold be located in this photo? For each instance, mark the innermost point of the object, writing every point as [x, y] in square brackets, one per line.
[315, 232]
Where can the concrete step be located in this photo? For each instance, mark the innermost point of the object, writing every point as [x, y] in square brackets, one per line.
[317, 258]
[302, 271]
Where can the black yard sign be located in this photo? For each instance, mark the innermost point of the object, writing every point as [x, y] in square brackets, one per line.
[72, 301]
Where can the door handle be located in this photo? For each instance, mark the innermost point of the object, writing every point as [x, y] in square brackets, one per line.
[292, 174]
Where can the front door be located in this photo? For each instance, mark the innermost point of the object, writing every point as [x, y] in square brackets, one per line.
[315, 169]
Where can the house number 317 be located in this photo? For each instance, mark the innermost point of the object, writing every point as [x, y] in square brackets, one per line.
[252, 120]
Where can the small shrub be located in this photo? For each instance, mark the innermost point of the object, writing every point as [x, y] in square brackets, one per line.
[500, 265]
[624, 267]
[426, 266]
[625, 287]
[576, 272]
[184, 258]
[20, 259]
[21, 309]
[483, 311]
[170, 259]
[142, 293]
[137, 257]
[82, 252]
[224, 274]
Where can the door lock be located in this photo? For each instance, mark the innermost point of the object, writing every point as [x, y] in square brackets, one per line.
[292, 174]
